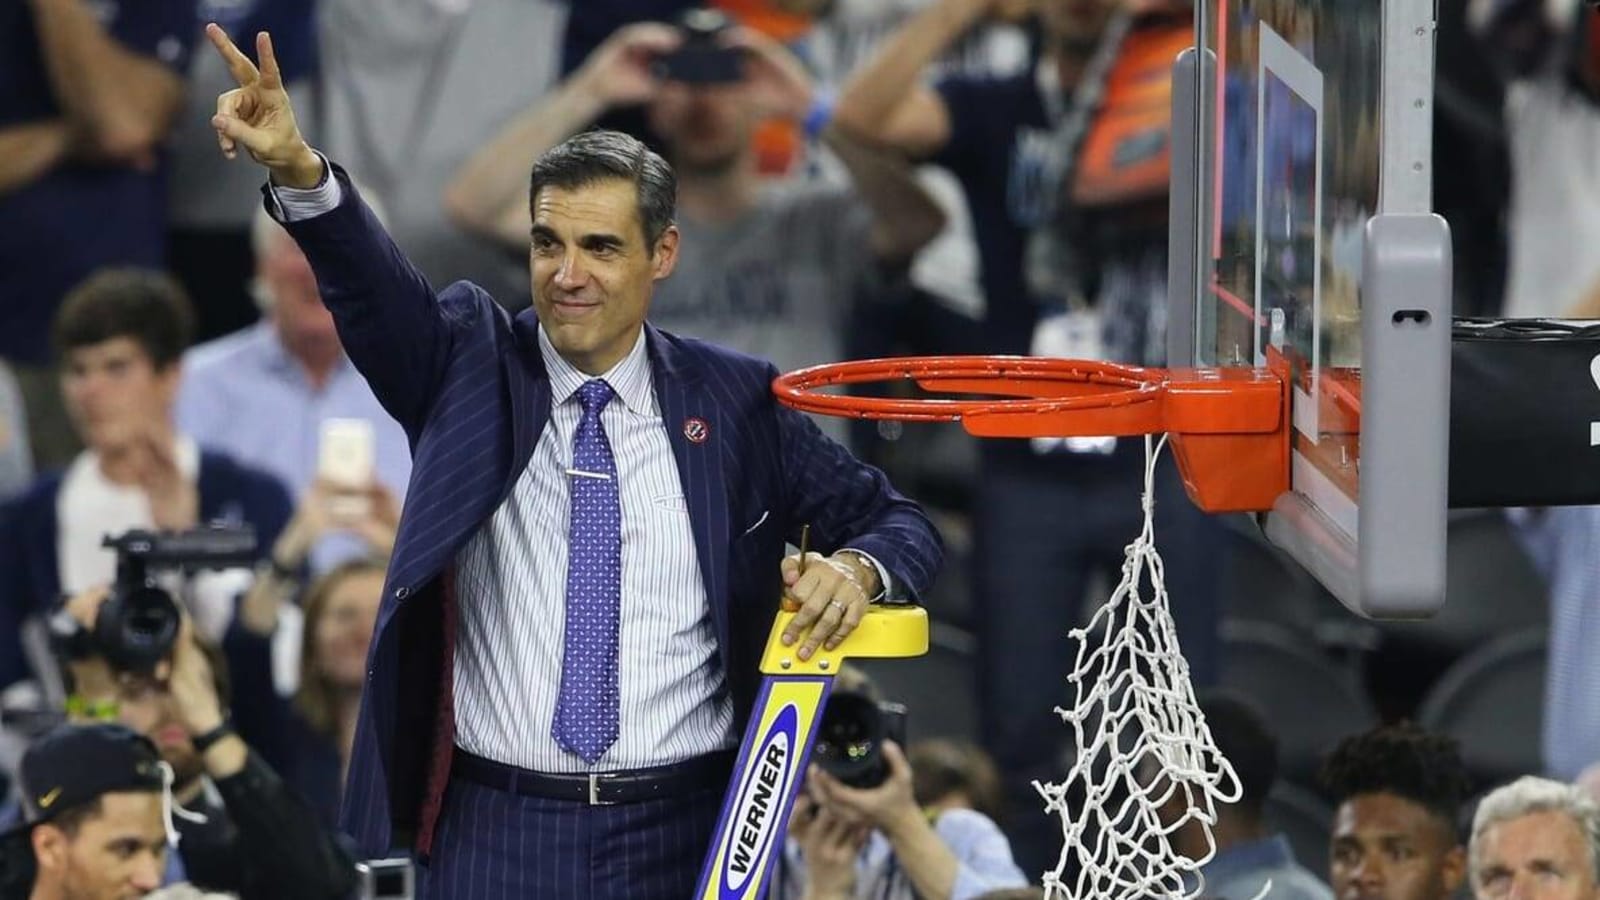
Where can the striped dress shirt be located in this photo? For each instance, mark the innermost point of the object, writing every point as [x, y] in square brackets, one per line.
[511, 588]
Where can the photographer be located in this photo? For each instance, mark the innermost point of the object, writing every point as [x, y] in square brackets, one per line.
[121, 335]
[876, 841]
[258, 839]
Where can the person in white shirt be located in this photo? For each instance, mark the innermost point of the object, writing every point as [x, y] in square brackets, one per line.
[121, 335]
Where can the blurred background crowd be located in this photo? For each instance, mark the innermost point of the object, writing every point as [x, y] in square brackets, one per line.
[865, 183]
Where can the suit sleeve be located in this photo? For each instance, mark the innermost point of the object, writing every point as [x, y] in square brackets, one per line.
[392, 326]
[850, 504]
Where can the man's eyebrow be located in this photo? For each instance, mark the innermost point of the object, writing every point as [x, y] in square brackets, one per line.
[125, 844]
[1545, 864]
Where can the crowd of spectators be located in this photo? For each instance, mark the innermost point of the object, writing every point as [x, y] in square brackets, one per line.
[873, 180]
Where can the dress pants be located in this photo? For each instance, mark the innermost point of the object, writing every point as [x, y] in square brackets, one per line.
[492, 844]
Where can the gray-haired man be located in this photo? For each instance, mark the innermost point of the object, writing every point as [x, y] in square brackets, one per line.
[1536, 839]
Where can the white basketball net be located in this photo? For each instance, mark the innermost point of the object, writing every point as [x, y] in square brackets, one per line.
[1145, 764]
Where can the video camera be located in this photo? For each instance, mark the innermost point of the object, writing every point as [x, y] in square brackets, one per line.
[138, 622]
[702, 58]
[849, 744]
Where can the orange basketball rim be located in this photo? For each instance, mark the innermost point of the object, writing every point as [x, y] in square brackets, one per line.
[1228, 426]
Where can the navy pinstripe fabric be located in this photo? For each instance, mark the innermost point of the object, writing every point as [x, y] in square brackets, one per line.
[468, 384]
[494, 845]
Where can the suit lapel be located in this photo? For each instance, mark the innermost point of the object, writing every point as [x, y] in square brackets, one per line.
[530, 396]
[698, 433]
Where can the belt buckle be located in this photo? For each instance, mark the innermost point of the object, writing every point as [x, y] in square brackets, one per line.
[594, 790]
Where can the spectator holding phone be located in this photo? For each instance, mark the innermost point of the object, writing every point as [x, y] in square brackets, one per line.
[282, 396]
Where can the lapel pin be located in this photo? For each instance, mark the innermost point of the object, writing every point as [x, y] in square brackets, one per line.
[696, 430]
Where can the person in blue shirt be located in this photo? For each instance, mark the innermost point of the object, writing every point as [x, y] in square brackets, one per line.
[1249, 854]
[262, 394]
[879, 842]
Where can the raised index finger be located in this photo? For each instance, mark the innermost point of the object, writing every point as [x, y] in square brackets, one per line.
[239, 65]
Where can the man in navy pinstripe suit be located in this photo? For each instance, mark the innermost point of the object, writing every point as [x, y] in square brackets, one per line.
[592, 544]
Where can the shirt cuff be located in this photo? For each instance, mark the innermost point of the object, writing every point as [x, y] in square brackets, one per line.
[884, 581]
[298, 204]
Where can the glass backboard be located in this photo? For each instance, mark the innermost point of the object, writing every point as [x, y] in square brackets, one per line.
[1314, 255]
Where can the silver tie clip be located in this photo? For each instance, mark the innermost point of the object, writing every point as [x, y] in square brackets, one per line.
[582, 474]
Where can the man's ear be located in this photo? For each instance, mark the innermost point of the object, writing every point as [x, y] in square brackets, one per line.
[1453, 869]
[49, 847]
[665, 258]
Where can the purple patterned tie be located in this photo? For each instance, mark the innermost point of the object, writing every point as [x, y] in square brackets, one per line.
[586, 709]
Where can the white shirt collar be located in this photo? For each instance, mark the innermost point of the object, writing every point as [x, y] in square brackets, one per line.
[629, 378]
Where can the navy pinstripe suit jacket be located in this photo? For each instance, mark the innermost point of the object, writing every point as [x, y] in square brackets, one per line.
[466, 381]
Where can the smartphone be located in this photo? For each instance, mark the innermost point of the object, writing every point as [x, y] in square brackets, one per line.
[345, 453]
[345, 458]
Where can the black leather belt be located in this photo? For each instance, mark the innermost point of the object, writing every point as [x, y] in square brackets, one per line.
[599, 788]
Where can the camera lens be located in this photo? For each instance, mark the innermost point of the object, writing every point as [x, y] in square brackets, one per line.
[135, 628]
[849, 744]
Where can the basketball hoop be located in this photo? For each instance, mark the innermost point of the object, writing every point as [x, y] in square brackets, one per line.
[1229, 427]
[1142, 742]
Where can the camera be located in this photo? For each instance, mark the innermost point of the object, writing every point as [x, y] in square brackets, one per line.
[138, 622]
[849, 744]
[702, 58]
